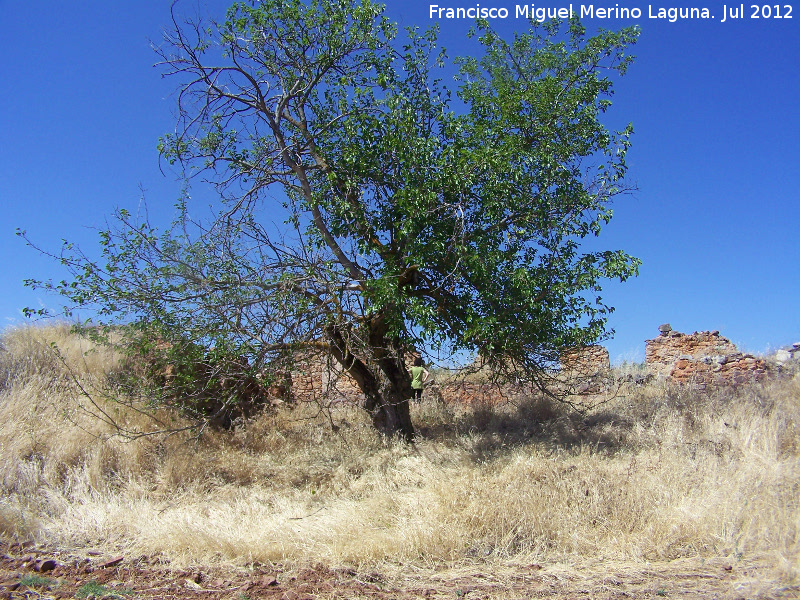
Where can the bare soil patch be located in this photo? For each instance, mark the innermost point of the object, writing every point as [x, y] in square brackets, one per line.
[37, 572]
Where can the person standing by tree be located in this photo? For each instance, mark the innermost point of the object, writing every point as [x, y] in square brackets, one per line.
[419, 375]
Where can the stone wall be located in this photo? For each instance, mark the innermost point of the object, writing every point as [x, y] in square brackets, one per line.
[588, 361]
[472, 393]
[701, 358]
[732, 369]
[315, 376]
[663, 352]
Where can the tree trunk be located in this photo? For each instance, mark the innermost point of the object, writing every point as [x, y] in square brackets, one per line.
[389, 410]
[384, 381]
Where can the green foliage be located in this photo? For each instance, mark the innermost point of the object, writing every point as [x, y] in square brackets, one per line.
[93, 589]
[36, 581]
[417, 214]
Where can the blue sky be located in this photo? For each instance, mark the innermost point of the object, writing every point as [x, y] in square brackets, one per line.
[715, 156]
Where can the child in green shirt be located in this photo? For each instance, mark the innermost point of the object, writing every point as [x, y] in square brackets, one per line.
[419, 375]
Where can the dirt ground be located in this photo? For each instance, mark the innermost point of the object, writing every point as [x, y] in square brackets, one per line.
[35, 572]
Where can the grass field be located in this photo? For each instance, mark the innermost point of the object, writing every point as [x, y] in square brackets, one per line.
[657, 475]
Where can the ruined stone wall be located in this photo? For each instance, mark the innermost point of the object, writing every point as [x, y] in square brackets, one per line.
[732, 369]
[587, 361]
[701, 358]
[663, 352]
[315, 376]
[583, 372]
[471, 393]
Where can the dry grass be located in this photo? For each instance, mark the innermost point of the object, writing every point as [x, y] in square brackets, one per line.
[660, 474]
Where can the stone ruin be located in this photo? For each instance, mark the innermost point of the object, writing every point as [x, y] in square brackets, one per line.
[701, 358]
[584, 371]
[315, 376]
[588, 361]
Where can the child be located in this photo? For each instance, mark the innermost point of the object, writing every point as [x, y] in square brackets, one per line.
[419, 375]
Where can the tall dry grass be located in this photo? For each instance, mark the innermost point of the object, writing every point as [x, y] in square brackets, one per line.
[659, 473]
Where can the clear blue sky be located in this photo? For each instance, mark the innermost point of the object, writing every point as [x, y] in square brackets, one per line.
[715, 156]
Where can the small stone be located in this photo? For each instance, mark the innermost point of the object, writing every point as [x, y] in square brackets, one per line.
[782, 356]
[111, 563]
[43, 566]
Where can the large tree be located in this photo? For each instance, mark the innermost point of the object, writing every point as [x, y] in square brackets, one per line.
[368, 208]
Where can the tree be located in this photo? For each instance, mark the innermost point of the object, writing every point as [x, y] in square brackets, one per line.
[412, 218]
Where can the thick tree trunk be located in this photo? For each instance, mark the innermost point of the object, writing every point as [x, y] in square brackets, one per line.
[389, 410]
[384, 381]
